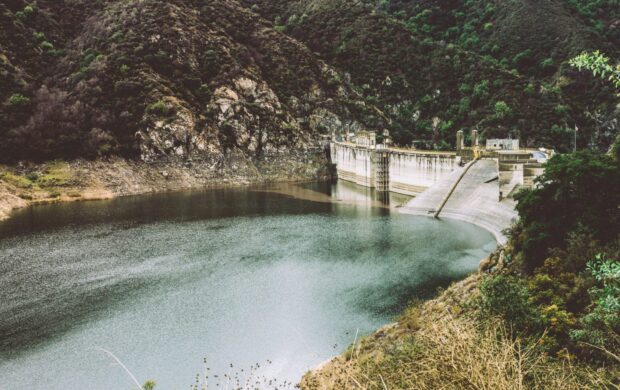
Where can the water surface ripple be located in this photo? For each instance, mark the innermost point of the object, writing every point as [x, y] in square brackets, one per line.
[237, 276]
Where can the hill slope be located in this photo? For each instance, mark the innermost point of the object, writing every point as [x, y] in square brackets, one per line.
[192, 79]
[437, 66]
[181, 79]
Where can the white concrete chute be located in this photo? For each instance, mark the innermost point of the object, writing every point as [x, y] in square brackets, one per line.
[469, 195]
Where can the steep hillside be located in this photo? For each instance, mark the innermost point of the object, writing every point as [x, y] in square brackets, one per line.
[181, 79]
[255, 78]
[437, 66]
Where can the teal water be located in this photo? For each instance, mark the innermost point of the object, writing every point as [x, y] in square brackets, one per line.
[235, 276]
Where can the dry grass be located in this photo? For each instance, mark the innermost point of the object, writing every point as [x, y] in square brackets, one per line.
[453, 352]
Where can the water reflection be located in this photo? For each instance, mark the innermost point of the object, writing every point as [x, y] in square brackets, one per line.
[280, 273]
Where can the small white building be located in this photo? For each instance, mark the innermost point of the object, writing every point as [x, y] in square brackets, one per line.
[367, 139]
[502, 144]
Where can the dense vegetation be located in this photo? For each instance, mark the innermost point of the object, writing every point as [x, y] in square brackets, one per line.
[438, 66]
[92, 78]
[563, 283]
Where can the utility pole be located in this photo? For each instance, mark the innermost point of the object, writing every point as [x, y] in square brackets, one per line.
[575, 144]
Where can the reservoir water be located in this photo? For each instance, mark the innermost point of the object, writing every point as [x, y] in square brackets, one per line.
[283, 277]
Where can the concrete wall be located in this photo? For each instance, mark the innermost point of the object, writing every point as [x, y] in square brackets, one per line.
[471, 196]
[510, 178]
[530, 173]
[354, 164]
[514, 176]
[408, 173]
[413, 173]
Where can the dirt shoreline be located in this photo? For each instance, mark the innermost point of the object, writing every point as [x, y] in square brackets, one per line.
[27, 185]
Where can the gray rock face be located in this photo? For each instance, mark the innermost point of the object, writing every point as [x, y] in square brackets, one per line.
[247, 121]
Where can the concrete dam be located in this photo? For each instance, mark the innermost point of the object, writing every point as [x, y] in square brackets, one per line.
[408, 172]
[475, 184]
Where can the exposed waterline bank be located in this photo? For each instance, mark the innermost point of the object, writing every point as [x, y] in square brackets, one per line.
[82, 180]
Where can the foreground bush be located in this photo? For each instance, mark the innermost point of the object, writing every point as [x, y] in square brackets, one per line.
[455, 352]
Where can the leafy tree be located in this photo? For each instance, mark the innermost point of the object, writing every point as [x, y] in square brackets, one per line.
[601, 326]
[579, 190]
[599, 65]
[502, 110]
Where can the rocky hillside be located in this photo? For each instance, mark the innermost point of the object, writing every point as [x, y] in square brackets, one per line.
[437, 66]
[201, 80]
[181, 79]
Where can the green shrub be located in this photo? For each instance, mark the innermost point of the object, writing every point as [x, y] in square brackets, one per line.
[116, 36]
[601, 326]
[160, 108]
[464, 106]
[481, 90]
[561, 110]
[523, 60]
[509, 298]
[39, 36]
[502, 110]
[18, 100]
[529, 89]
[464, 88]
[20, 15]
[47, 46]
[546, 63]
[149, 385]
[28, 10]
[32, 176]
[16, 180]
